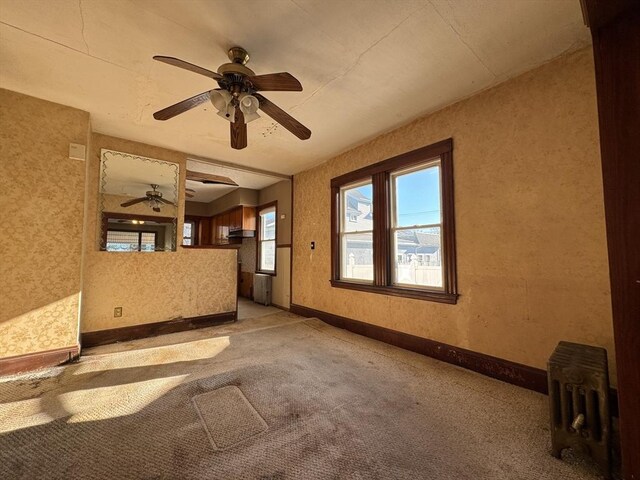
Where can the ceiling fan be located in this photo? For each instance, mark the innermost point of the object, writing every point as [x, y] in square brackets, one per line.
[237, 100]
[153, 197]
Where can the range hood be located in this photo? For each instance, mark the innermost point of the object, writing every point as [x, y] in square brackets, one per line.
[242, 234]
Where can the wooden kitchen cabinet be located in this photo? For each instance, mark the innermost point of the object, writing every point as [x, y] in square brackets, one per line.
[235, 219]
[238, 219]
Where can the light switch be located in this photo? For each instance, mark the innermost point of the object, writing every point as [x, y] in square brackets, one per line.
[77, 151]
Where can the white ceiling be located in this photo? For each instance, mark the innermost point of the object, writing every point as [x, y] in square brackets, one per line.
[366, 66]
[207, 192]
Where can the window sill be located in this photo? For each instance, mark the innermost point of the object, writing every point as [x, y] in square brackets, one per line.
[440, 297]
[266, 272]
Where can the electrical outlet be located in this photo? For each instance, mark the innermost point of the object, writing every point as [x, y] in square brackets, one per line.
[117, 312]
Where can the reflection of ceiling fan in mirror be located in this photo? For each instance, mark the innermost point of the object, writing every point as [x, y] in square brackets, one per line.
[152, 197]
[237, 100]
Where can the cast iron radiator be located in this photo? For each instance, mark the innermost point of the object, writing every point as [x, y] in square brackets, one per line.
[579, 402]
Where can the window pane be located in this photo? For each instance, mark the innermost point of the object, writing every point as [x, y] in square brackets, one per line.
[418, 257]
[148, 242]
[357, 256]
[119, 241]
[268, 225]
[417, 197]
[357, 208]
[268, 255]
[187, 231]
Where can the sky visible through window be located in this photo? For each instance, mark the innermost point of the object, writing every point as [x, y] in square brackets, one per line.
[418, 197]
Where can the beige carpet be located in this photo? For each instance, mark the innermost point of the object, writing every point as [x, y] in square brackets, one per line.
[335, 405]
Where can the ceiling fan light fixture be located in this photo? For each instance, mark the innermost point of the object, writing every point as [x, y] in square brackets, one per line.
[249, 107]
[228, 113]
[222, 100]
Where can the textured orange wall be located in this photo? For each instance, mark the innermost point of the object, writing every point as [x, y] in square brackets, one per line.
[150, 287]
[41, 214]
[532, 257]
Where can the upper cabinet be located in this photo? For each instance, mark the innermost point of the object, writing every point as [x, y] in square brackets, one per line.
[243, 219]
[233, 225]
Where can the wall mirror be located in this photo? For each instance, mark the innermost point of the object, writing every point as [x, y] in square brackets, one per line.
[138, 203]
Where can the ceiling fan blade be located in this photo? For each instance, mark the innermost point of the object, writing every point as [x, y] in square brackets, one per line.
[282, 81]
[176, 62]
[188, 195]
[167, 202]
[183, 106]
[134, 201]
[238, 131]
[209, 178]
[283, 118]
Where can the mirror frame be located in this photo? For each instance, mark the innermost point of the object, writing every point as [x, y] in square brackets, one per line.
[103, 224]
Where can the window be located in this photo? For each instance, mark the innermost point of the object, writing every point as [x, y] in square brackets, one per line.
[130, 241]
[267, 238]
[356, 238]
[402, 240]
[188, 233]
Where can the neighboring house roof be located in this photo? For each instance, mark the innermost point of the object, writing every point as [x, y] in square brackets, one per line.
[419, 238]
[353, 211]
[359, 196]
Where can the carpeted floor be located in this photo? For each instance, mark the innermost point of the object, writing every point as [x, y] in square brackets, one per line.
[336, 405]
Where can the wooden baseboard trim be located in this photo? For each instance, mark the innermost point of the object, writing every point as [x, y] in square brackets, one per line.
[135, 332]
[280, 307]
[515, 373]
[36, 361]
[505, 370]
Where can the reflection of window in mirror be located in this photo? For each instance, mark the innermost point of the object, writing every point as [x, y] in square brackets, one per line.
[131, 241]
[188, 233]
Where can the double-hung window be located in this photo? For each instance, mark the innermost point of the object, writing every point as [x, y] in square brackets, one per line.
[267, 238]
[392, 226]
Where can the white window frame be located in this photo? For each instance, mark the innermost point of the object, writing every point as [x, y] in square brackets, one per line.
[342, 231]
[394, 222]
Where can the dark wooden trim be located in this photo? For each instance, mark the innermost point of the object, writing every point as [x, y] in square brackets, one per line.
[598, 13]
[505, 370]
[134, 216]
[134, 332]
[441, 297]
[379, 174]
[381, 244]
[280, 307]
[448, 225]
[284, 245]
[335, 233]
[215, 246]
[258, 230]
[500, 369]
[36, 361]
[400, 161]
[615, 29]
[291, 252]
